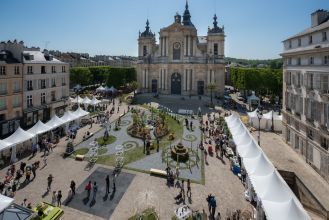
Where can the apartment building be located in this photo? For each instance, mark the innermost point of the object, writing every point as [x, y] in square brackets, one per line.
[11, 93]
[306, 92]
[44, 83]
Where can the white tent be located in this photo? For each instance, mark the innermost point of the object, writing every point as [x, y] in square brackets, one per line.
[77, 99]
[55, 122]
[266, 120]
[19, 136]
[69, 116]
[94, 101]
[113, 90]
[100, 89]
[4, 145]
[5, 202]
[39, 128]
[289, 210]
[258, 166]
[86, 101]
[269, 186]
[80, 112]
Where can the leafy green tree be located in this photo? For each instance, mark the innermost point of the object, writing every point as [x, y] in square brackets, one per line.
[80, 76]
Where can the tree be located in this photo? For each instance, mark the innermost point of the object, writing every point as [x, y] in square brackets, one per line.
[80, 76]
[211, 87]
[134, 85]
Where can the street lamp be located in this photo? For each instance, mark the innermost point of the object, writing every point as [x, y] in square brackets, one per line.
[259, 116]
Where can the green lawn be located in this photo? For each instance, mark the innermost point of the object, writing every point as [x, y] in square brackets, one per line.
[175, 128]
[102, 151]
[81, 151]
[148, 214]
[105, 141]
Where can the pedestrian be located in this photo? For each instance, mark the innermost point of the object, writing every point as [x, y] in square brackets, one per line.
[88, 189]
[44, 160]
[213, 207]
[22, 167]
[243, 175]
[209, 202]
[28, 175]
[72, 186]
[95, 188]
[29, 206]
[91, 123]
[107, 180]
[59, 198]
[191, 125]
[54, 198]
[49, 181]
[34, 168]
[24, 203]
[189, 192]
[114, 187]
[218, 217]
[205, 155]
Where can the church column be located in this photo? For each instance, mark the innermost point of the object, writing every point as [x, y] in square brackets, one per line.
[165, 79]
[188, 79]
[147, 78]
[160, 78]
[186, 45]
[161, 46]
[191, 46]
[213, 76]
[192, 79]
[208, 76]
[165, 46]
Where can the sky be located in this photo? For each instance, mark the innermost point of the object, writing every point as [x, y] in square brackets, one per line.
[254, 29]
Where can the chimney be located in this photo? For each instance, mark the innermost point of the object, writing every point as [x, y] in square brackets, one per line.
[319, 16]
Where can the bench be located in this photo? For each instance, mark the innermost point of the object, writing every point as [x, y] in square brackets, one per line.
[80, 157]
[158, 172]
[86, 137]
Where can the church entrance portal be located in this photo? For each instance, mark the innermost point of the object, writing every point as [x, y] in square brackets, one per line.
[154, 86]
[200, 87]
[176, 84]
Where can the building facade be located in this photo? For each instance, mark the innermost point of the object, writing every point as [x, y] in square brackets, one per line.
[183, 63]
[44, 83]
[11, 93]
[306, 92]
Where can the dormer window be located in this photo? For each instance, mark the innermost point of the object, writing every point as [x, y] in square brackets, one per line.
[310, 39]
[311, 60]
[289, 43]
[299, 42]
[324, 36]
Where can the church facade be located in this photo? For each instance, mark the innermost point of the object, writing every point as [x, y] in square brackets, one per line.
[182, 63]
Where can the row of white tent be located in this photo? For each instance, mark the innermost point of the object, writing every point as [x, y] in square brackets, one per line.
[106, 89]
[275, 197]
[266, 120]
[85, 101]
[20, 136]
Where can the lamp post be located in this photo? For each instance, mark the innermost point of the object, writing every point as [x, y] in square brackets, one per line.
[259, 116]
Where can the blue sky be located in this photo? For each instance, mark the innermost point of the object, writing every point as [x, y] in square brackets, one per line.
[253, 28]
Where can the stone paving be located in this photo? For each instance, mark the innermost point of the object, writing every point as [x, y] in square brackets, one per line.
[219, 180]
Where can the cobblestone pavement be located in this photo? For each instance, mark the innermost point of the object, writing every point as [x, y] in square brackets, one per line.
[220, 181]
[285, 158]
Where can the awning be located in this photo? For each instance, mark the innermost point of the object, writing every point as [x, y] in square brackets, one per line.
[55, 122]
[19, 136]
[5, 202]
[39, 128]
[80, 112]
[69, 116]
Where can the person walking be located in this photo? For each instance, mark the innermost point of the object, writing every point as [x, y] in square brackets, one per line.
[107, 180]
[88, 189]
[59, 198]
[72, 186]
[33, 169]
[189, 192]
[44, 160]
[22, 167]
[49, 181]
[95, 189]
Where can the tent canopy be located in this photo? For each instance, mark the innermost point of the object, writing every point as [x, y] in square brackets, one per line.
[4, 145]
[77, 99]
[100, 89]
[253, 114]
[80, 112]
[94, 101]
[55, 122]
[39, 128]
[5, 202]
[19, 136]
[69, 116]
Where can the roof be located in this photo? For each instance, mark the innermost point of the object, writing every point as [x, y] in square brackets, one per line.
[311, 30]
[306, 48]
[38, 57]
[7, 57]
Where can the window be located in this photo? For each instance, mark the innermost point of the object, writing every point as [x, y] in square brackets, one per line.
[16, 87]
[43, 84]
[2, 104]
[288, 79]
[53, 82]
[2, 70]
[324, 83]
[215, 49]
[310, 134]
[326, 60]
[298, 61]
[16, 101]
[288, 135]
[311, 60]
[310, 81]
[144, 50]
[324, 143]
[289, 43]
[299, 42]
[43, 69]
[53, 69]
[324, 36]
[296, 142]
[176, 51]
[29, 69]
[53, 96]
[3, 88]
[289, 61]
[63, 81]
[29, 85]
[63, 69]
[16, 70]
[43, 98]
[310, 39]
[29, 101]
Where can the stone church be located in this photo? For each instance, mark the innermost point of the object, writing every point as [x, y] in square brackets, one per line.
[183, 63]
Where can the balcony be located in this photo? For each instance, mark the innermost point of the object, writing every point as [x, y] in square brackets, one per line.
[3, 108]
[53, 99]
[43, 86]
[53, 85]
[17, 91]
[29, 88]
[30, 105]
